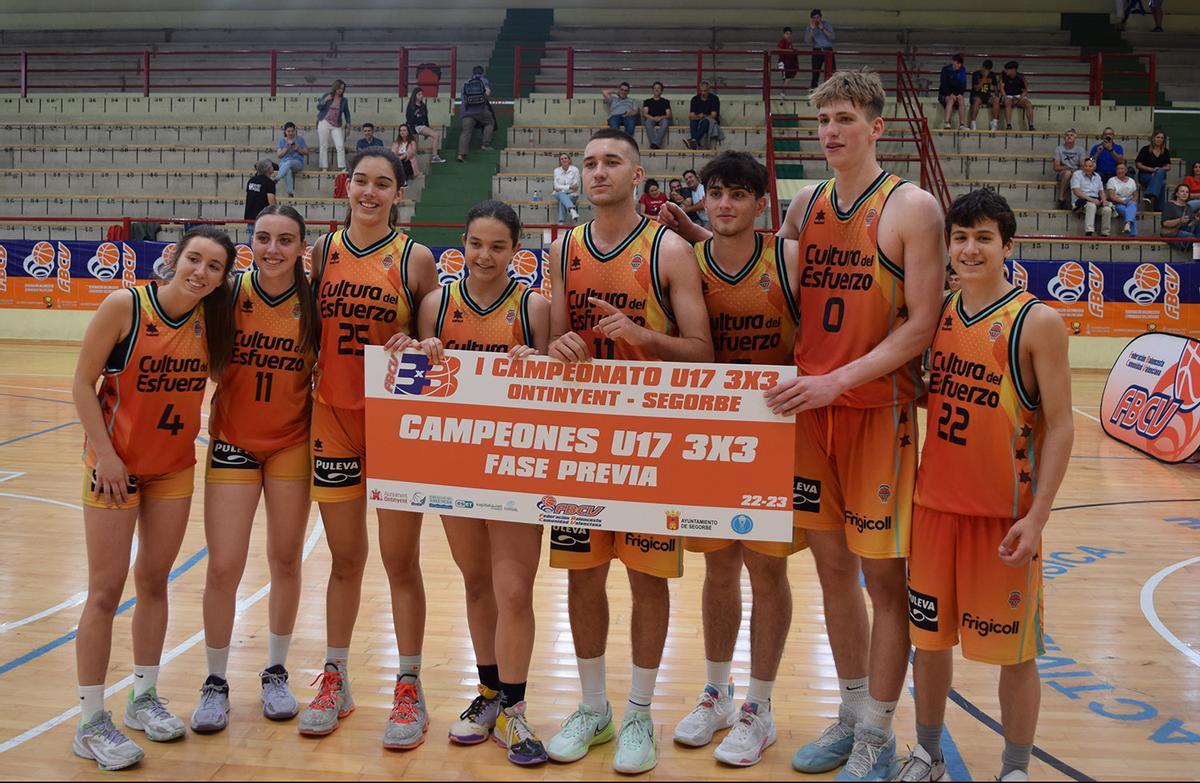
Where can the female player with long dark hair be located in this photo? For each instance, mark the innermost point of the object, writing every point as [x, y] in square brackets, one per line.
[153, 348]
[368, 279]
[259, 444]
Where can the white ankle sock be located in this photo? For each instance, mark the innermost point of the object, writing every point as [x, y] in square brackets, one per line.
[879, 714]
[218, 660]
[409, 665]
[91, 701]
[144, 679]
[641, 691]
[592, 682]
[854, 695]
[277, 648]
[718, 675]
[760, 693]
[340, 655]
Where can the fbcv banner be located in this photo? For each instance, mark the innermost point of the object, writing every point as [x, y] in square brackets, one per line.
[1152, 397]
[78, 275]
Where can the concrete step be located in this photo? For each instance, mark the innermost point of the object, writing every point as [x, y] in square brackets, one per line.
[177, 156]
[577, 136]
[185, 207]
[262, 136]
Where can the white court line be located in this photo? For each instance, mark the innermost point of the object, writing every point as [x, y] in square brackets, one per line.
[34, 388]
[1087, 415]
[74, 600]
[1152, 615]
[169, 656]
[9, 475]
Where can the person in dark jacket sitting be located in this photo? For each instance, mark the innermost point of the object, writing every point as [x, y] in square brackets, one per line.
[417, 117]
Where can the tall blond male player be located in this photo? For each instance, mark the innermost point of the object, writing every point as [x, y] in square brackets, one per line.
[750, 286]
[624, 287]
[997, 447]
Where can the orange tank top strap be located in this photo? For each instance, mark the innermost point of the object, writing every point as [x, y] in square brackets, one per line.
[153, 387]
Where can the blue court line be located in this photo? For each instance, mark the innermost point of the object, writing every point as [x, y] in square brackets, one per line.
[39, 432]
[181, 569]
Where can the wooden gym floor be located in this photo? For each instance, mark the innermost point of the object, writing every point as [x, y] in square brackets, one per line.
[1121, 676]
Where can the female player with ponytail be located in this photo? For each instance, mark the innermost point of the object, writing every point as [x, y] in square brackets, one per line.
[153, 348]
[368, 278]
[259, 431]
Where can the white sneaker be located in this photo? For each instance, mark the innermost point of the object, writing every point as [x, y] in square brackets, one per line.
[752, 733]
[973, 125]
[993, 125]
[148, 714]
[919, 767]
[637, 748]
[1017, 775]
[574, 214]
[713, 711]
[102, 742]
[438, 158]
[582, 730]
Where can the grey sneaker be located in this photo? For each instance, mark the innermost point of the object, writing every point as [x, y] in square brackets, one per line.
[103, 743]
[277, 699]
[149, 715]
[212, 713]
[332, 703]
[920, 767]
[409, 721]
[872, 756]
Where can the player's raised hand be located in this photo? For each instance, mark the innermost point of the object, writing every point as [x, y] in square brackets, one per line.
[399, 342]
[615, 325]
[1022, 541]
[521, 352]
[432, 347]
[570, 348]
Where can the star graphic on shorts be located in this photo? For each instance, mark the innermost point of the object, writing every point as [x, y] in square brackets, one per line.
[1020, 454]
[904, 417]
[1026, 431]
[317, 445]
[905, 440]
[1025, 477]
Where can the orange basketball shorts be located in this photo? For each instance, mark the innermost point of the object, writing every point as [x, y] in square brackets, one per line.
[339, 453]
[228, 464]
[959, 588]
[579, 548]
[855, 471]
[164, 486]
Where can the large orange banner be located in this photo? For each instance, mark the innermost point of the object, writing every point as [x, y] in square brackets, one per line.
[646, 447]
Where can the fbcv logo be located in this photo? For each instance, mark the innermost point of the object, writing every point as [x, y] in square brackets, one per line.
[415, 374]
[550, 505]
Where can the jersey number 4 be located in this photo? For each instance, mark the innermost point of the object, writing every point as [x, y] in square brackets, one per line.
[171, 424]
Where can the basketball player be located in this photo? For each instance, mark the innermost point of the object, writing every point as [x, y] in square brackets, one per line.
[259, 446]
[750, 286]
[368, 279]
[999, 439]
[624, 257]
[871, 277]
[487, 311]
[153, 347]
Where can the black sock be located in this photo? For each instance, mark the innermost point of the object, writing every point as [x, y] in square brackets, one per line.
[511, 693]
[489, 675]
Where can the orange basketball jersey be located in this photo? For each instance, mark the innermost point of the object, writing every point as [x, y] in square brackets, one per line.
[153, 388]
[752, 314]
[851, 294]
[463, 325]
[264, 399]
[984, 430]
[626, 277]
[363, 300]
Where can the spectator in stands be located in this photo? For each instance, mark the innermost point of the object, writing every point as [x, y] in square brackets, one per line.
[675, 194]
[622, 110]
[1067, 157]
[1179, 219]
[694, 192]
[789, 61]
[1153, 162]
[368, 138]
[1107, 154]
[260, 190]
[1090, 197]
[566, 188]
[656, 116]
[405, 147]
[333, 117]
[416, 114]
[704, 119]
[1193, 182]
[1016, 93]
[1122, 192]
[292, 153]
[819, 34]
[1135, 6]
[476, 112]
[652, 198]
[951, 91]
[985, 88]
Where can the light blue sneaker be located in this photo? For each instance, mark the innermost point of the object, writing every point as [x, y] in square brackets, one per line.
[831, 749]
[872, 757]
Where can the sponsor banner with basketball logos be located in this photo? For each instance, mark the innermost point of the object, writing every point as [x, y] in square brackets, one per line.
[1116, 299]
[1151, 399]
[78, 275]
[645, 447]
